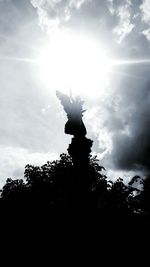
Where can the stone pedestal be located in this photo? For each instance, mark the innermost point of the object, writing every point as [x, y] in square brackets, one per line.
[79, 150]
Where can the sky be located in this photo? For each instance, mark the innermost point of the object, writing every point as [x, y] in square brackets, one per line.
[98, 49]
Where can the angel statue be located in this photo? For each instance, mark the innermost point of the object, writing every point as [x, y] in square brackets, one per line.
[73, 107]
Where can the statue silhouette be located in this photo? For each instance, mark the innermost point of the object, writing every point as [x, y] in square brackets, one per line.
[73, 108]
[80, 147]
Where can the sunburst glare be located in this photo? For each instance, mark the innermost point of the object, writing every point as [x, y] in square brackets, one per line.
[70, 61]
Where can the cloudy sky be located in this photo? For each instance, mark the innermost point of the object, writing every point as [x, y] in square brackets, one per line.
[99, 49]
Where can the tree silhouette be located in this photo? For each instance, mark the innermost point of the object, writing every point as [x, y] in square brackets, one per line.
[13, 189]
[59, 184]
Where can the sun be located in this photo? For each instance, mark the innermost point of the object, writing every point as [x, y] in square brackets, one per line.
[74, 62]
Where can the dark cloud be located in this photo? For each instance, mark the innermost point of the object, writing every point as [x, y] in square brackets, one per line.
[132, 147]
[129, 123]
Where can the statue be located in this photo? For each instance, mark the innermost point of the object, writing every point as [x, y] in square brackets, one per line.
[80, 147]
[73, 108]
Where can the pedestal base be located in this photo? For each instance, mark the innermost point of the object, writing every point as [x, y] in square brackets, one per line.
[79, 150]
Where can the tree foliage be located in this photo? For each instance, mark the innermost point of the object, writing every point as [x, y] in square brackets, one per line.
[59, 184]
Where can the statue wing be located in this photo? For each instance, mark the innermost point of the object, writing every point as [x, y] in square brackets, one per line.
[65, 101]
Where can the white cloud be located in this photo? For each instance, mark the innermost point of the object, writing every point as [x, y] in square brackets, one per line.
[125, 25]
[53, 13]
[145, 9]
[76, 3]
[145, 17]
[147, 33]
[14, 159]
[111, 7]
[126, 176]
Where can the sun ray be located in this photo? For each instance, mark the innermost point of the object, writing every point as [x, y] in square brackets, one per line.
[130, 61]
[20, 59]
[125, 74]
